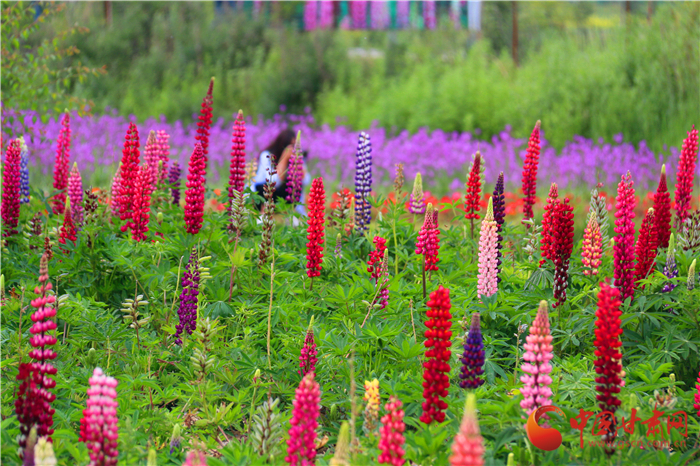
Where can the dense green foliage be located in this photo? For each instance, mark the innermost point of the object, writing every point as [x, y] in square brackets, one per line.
[580, 79]
[39, 75]
[159, 385]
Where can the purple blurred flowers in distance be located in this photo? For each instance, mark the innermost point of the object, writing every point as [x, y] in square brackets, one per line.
[97, 141]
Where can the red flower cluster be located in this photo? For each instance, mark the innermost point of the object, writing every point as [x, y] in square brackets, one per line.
[472, 204]
[315, 233]
[662, 211]
[547, 240]
[33, 403]
[437, 367]
[142, 203]
[204, 122]
[646, 246]
[194, 195]
[608, 364]
[563, 245]
[129, 172]
[60, 169]
[685, 176]
[374, 264]
[428, 242]
[623, 251]
[68, 230]
[237, 170]
[10, 188]
[532, 159]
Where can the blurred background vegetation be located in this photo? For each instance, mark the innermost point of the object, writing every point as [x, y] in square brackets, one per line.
[594, 69]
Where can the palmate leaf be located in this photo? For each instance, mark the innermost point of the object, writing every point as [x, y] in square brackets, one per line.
[541, 278]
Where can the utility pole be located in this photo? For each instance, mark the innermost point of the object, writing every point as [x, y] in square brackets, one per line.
[650, 10]
[514, 5]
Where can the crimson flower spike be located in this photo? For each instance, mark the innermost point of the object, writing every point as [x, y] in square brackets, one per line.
[662, 210]
[532, 159]
[685, 177]
[33, 404]
[623, 251]
[60, 170]
[608, 363]
[204, 122]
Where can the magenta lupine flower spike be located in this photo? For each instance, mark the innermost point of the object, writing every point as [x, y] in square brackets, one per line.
[60, 170]
[391, 434]
[468, 447]
[473, 356]
[163, 150]
[75, 192]
[33, 404]
[488, 255]
[301, 446]
[623, 251]
[428, 242]
[295, 173]
[538, 353]
[100, 422]
[308, 359]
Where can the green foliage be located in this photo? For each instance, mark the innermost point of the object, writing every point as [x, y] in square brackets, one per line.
[583, 69]
[220, 391]
[40, 76]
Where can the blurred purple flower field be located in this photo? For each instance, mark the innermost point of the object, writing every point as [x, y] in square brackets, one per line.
[441, 157]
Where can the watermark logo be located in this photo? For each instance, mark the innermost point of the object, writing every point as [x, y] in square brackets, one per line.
[544, 438]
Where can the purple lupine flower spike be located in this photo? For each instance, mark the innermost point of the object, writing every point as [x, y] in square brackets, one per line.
[670, 269]
[499, 215]
[174, 180]
[23, 172]
[473, 356]
[188, 298]
[363, 183]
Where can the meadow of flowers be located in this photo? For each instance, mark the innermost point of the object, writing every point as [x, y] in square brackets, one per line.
[156, 319]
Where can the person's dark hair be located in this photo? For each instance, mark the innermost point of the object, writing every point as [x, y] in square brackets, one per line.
[280, 143]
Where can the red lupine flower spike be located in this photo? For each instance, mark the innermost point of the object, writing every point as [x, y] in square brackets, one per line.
[142, 203]
[686, 176]
[532, 158]
[237, 168]
[547, 224]
[33, 403]
[563, 246]
[662, 211]
[646, 246]
[194, 195]
[11, 188]
[60, 170]
[68, 230]
[473, 196]
[437, 368]
[204, 122]
[128, 174]
[608, 363]
[315, 232]
[623, 251]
